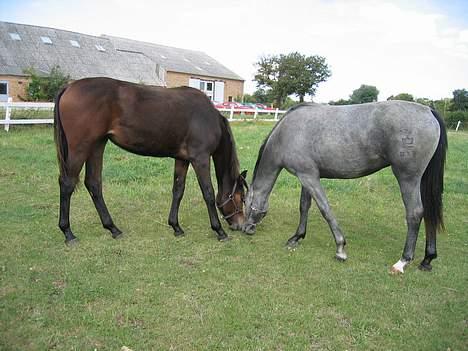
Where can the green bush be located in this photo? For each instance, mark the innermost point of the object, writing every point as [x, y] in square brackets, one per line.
[452, 118]
[45, 87]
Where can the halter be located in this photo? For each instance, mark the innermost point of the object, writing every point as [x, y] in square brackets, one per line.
[231, 198]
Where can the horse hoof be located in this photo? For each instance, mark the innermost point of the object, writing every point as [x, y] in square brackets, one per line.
[118, 236]
[399, 267]
[341, 257]
[179, 234]
[72, 242]
[292, 245]
[396, 271]
[224, 238]
[425, 267]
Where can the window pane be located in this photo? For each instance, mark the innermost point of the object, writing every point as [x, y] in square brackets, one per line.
[3, 88]
[15, 36]
[75, 43]
[202, 85]
[209, 86]
[46, 40]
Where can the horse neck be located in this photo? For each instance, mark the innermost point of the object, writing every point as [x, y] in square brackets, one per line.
[265, 175]
[226, 163]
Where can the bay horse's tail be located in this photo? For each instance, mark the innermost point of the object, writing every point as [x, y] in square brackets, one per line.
[432, 183]
[59, 136]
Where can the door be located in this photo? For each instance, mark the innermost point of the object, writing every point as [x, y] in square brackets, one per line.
[219, 91]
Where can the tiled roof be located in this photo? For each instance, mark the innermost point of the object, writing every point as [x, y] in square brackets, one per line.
[82, 55]
[175, 59]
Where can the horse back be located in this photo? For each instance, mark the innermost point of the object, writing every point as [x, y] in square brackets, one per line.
[147, 120]
[357, 140]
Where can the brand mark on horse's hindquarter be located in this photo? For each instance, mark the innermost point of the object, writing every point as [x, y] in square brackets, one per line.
[408, 143]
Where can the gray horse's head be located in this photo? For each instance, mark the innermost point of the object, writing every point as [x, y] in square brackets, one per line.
[254, 212]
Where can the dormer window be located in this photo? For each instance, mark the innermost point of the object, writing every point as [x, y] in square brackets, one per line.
[100, 48]
[46, 40]
[75, 44]
[15, 36]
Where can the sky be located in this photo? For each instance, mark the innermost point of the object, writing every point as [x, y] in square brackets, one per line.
[418, 47]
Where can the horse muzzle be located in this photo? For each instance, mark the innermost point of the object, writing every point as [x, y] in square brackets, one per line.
[249, 228]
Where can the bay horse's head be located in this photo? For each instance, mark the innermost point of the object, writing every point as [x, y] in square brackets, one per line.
[231, 205]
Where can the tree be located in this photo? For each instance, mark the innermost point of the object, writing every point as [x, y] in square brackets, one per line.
[424, 101]
[45, 87]
[294, 73]
[365, 93]
[460, 100]
[402, 96]
[340, 102]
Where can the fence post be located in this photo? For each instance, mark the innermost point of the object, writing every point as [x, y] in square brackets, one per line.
[231, 115]
[8, 114]
[276, 114]
[458, 126]
[256, 113]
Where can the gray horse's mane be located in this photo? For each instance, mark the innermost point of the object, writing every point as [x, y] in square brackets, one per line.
[262, 148]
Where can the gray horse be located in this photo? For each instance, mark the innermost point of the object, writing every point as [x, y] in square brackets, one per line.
[315, 141]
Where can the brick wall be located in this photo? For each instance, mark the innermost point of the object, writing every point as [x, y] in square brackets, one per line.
[16, 86]
[232, 88]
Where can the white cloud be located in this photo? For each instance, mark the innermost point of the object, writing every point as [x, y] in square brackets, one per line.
[384, 43]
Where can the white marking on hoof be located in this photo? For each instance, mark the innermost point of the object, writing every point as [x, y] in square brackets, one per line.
[341, 256]
[398, 267]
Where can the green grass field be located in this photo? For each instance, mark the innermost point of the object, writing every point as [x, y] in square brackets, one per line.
[151, 291]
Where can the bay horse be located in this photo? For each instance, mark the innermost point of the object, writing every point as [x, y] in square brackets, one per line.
[181, 123]
[315, 141]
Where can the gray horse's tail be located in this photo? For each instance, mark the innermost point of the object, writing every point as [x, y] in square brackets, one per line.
[59, 136]
[432, 183]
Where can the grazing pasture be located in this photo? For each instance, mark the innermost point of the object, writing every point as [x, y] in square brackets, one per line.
[154, 291]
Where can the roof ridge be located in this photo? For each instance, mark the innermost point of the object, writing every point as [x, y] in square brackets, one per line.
[58, 29]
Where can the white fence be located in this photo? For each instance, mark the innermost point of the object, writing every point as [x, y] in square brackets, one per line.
[25, 108]
[9, 107]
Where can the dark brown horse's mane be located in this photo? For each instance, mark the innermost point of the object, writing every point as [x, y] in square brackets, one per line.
[234, 167]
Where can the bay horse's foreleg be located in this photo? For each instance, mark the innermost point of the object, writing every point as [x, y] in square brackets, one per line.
[180, 173]
[411, 194]
[202, 170]
[312, 183]
[93, 182]
[304, 214]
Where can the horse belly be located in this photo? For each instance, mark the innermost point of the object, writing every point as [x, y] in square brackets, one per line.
[351, 168]
[148, 142]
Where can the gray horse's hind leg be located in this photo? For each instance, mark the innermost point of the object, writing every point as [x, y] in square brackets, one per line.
[411, 194]
[313, 186]
[304, 211]
[431, 250]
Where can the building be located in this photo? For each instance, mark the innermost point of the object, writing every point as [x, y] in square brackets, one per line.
[80, 55]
